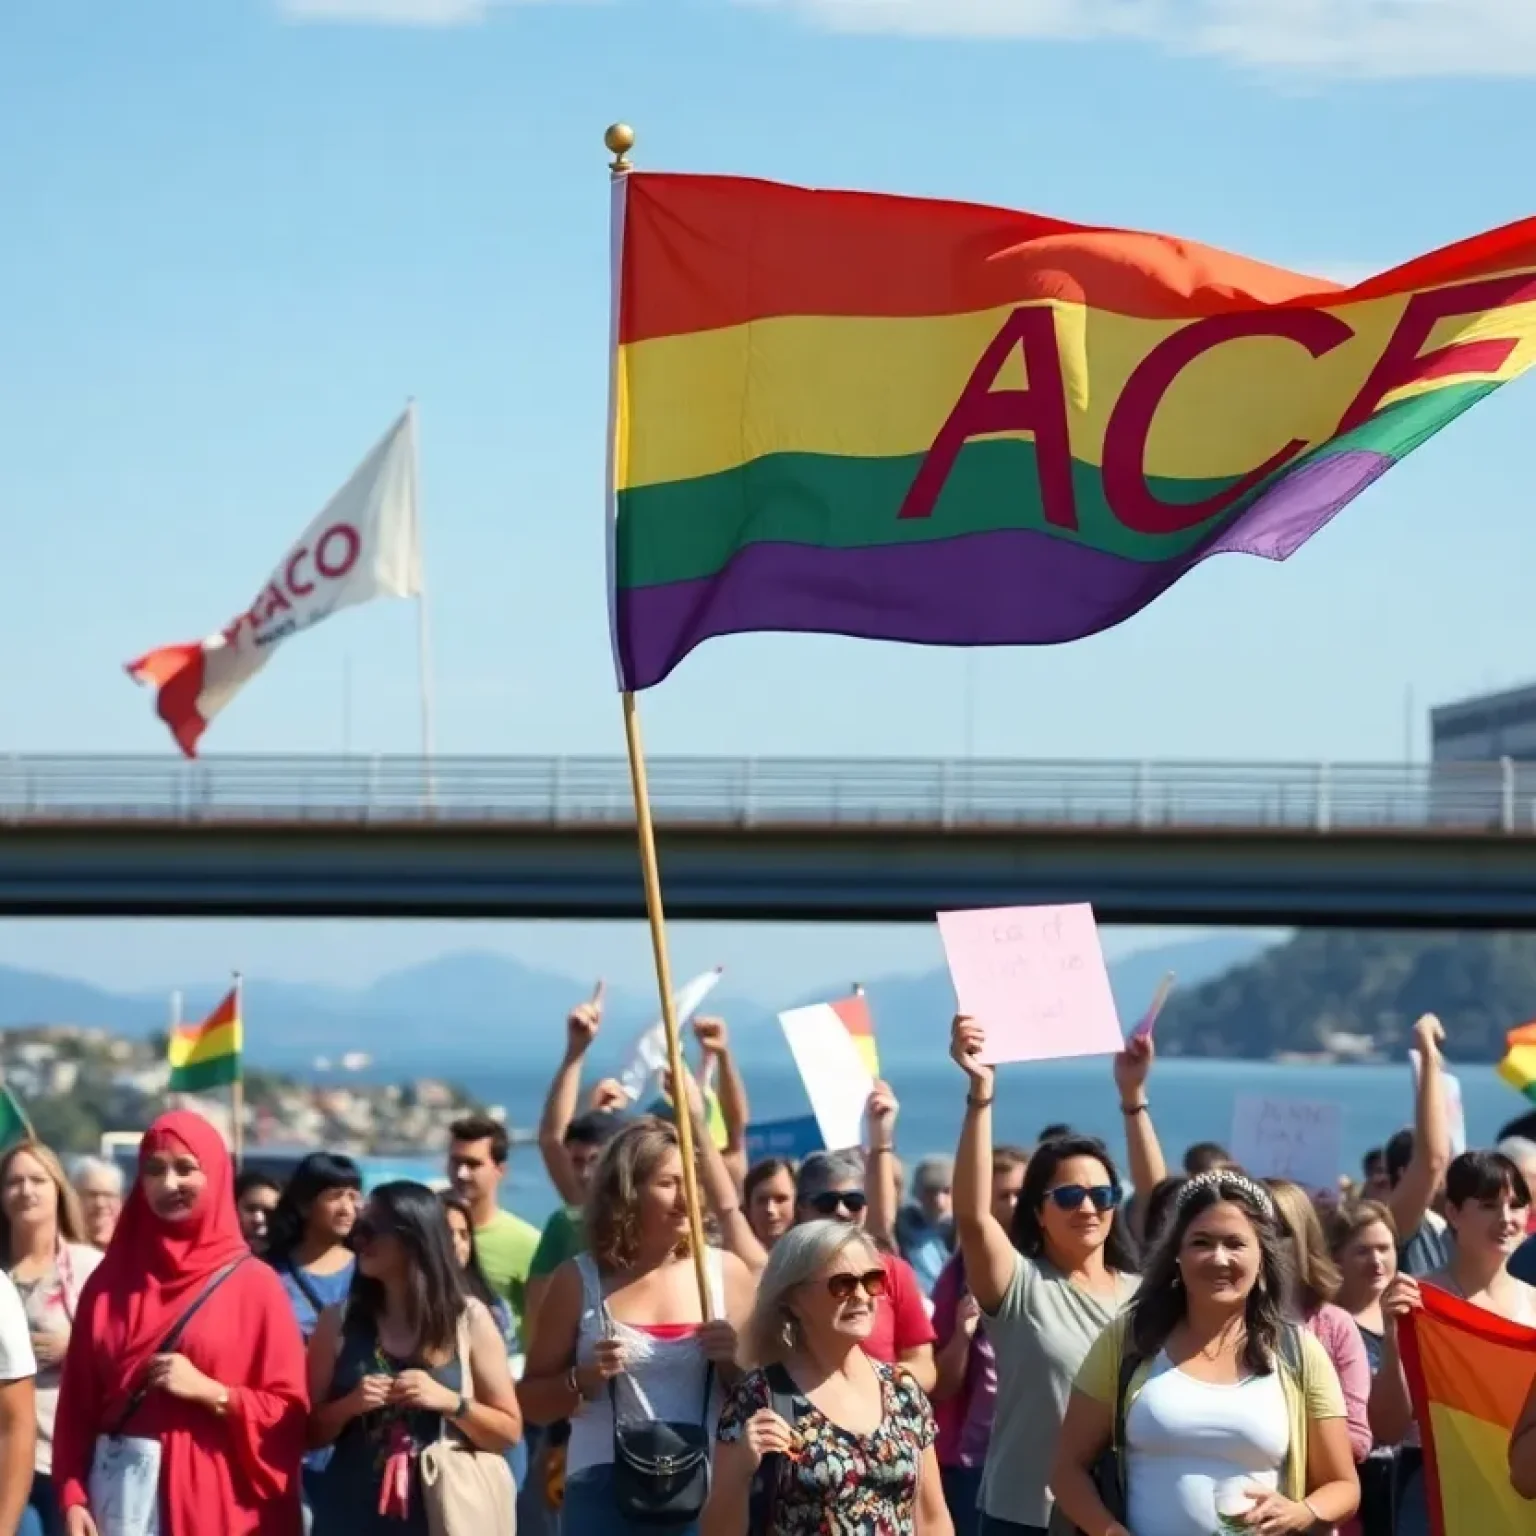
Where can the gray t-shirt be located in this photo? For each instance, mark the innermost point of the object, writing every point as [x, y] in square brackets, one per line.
[1041, 1333]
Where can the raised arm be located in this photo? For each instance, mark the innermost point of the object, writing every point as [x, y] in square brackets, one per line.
[989, 1253]
[581, 1028]
[722, 1194]
[882, 1193]
[1144, 1152]
[734, 1108]
[1414, 1193]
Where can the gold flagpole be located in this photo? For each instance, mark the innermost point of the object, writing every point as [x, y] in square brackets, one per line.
[237, 1088]
[620, 139]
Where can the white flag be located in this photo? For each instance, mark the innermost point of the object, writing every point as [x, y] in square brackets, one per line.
[651, 1048]
[364, 544]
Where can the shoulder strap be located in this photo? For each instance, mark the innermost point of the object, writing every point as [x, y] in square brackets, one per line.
[1130, 1361]
[310, 1294]
[173, 1338]
[784, 1398]
[1293, 1352]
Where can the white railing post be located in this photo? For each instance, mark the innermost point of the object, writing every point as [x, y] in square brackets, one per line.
[748, 812]
[1324, 807]
[373, 787]
[1139, 807]
[1507, 794]
[557, 792]
[946, 793]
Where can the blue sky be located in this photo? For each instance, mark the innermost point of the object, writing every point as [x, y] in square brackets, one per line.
[239, 233]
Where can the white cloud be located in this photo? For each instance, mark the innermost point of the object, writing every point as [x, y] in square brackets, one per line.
[1382, 38]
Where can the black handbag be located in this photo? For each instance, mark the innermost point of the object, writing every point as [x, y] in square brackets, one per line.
[660, 1468]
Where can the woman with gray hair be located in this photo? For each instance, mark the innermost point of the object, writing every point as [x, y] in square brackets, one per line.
[816, 1425]
[831, 1186]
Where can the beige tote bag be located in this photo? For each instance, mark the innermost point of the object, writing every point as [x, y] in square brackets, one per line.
[466, 1491]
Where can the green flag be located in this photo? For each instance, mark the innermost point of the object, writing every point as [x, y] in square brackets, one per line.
[14, 1125]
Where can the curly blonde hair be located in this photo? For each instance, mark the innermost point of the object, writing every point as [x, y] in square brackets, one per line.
[628, 1163]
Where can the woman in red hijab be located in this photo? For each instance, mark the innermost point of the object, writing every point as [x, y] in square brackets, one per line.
[228, 1407]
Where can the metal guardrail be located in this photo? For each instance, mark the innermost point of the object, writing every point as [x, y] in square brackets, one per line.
[1495, 797]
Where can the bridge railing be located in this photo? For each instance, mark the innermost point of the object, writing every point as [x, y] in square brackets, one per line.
[572, 791]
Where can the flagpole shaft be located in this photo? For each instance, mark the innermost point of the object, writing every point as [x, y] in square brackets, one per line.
[423, 623]
[650, 875]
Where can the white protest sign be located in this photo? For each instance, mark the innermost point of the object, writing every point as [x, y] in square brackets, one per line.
[1297, 1139]
[1455, 1110]
[837, 1081]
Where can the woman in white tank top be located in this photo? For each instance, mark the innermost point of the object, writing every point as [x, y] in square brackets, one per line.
[630, 1307]
[1486, 1203]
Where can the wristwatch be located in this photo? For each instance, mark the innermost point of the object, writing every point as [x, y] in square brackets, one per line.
[221, 1402]
[461, 1409]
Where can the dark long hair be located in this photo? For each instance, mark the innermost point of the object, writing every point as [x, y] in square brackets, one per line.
[311, 1178]
[434, 1293]
[1029, 1234]
[1160, 1304]
[471, 1276]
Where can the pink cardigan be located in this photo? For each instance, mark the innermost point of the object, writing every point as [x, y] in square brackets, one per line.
[1335, 1330]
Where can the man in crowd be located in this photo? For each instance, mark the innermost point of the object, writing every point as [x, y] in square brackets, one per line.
[477, 1163]
[925, 1234]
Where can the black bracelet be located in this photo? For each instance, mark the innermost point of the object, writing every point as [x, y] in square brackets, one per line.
[976, 1103]
[1135, 1109]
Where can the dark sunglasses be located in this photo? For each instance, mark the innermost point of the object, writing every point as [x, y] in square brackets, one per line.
[364, 1230]
[1070, 1197]
[842, 1287]
[830, 1201]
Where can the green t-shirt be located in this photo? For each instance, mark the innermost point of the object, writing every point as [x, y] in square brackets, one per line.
[505, 1248]
[564, 1236]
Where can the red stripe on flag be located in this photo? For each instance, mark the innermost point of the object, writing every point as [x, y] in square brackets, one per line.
[177, 671]
[227, 1012]
[854, 1012]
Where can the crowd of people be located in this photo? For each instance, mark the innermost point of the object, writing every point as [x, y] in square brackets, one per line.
[1017, 1342]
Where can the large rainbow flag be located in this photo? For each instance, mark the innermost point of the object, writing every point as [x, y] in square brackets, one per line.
[959, 425]
[1469, 1372]
[1518, 1067]
[207, 1055]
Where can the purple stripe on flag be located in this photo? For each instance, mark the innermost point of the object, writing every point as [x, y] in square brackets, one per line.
[1010, 587]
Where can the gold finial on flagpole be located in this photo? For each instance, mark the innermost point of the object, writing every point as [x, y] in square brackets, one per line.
[619, 139]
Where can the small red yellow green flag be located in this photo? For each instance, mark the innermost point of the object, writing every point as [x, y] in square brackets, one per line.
[1469, 1372]
[207, 1055]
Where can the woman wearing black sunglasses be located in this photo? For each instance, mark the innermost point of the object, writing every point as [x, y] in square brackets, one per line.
[820, 1437]
[1047, 1289]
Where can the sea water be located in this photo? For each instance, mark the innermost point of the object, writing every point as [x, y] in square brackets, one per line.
[1190, 1101]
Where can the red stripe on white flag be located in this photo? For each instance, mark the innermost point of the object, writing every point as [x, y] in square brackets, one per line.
[177, 671]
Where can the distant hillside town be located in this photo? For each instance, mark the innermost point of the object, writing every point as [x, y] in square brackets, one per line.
[77, 1082]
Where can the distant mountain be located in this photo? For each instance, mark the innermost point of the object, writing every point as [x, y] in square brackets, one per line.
[1298, 995]
[452, 1013]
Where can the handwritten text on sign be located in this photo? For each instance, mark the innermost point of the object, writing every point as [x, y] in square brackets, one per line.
[1297, 1139]
[1034, 979]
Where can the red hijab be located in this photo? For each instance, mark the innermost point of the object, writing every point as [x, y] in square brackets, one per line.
[155, 1269]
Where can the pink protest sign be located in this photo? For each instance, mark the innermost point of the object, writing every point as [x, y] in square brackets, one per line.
[1034, 979]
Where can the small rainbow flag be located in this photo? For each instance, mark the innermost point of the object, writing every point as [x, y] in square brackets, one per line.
[1469, 1372]
[1518, 1067]
[948, 424]
[207, 1055]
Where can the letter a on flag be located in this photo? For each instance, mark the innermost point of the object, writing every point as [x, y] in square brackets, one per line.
[364, 544]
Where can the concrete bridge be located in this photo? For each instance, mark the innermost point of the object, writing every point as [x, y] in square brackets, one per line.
[765, 838]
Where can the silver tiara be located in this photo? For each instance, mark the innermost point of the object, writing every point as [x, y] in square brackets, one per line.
[1220, 1179]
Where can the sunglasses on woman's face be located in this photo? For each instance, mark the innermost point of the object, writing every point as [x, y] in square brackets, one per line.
[1070, 1197]
[841, 1287]
[830, 1201]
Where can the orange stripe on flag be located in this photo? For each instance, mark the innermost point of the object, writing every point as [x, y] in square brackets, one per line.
[856, 1019]
[228, 1012]
[1469, 1373]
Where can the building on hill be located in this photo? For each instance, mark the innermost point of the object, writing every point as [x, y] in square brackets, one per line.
[1483, 760]
[1485, 728]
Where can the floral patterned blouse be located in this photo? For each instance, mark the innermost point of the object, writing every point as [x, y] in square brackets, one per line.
[871, 1480]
